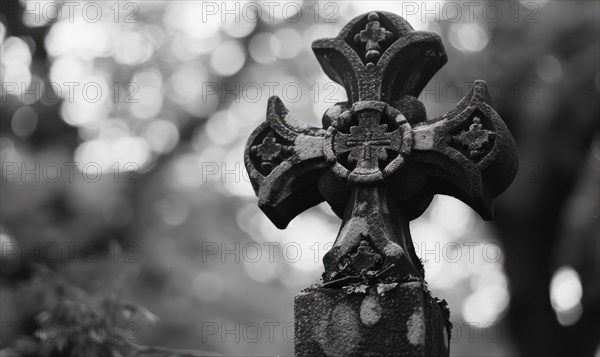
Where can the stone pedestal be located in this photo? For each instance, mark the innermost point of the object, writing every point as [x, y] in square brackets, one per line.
[405, 321]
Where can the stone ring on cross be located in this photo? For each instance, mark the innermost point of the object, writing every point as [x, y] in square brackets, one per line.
[359, 147]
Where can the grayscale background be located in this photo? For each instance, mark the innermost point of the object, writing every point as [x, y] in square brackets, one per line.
[125, 203]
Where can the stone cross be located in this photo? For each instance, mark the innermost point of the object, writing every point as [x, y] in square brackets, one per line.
[378, 161]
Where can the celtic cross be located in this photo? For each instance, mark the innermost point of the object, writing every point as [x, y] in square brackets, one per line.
[378, 161]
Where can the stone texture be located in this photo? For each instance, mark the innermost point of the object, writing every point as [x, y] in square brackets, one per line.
[378, 161]
[382, 135]
[405, 321]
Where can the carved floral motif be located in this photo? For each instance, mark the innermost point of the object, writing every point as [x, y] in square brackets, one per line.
[270, 153]
[476, 141]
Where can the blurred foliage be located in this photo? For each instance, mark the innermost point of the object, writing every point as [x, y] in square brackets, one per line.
[69, 326]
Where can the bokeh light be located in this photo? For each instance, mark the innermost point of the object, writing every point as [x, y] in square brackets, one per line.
[242, 28]
[548, 68]
[261, 47]
[24, 121]
[468, 37]
[228, 58]
[452, 215]
[565, 295]
[489, 299]
[83, 39]
[286, 43]
[15, 61]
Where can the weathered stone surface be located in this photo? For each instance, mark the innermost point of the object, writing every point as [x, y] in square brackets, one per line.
[382, 136]
[405, 321]
[377, 162]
